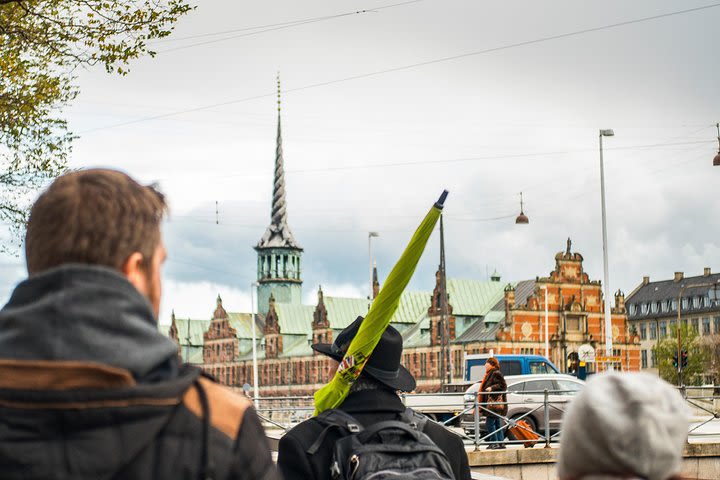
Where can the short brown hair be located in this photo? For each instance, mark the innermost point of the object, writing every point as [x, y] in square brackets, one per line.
[97, 217]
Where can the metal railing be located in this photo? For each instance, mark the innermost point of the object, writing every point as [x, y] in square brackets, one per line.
[705, 401]
[512, 419]
[467, 419]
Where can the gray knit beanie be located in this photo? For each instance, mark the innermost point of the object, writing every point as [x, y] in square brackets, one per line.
[632, 424]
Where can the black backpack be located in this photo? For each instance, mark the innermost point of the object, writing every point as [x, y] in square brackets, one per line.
[393, 449]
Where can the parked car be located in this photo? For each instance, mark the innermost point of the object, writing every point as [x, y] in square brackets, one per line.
[526, 393]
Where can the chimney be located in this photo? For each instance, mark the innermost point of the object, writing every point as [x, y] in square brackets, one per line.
[706, 272]
[646, 280]
[678, 276]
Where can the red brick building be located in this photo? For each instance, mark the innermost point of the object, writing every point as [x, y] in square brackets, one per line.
[483, 315]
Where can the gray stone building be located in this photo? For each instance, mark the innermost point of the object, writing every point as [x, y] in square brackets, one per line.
[653, 309]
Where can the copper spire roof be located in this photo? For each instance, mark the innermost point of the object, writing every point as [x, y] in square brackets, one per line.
[278, 234]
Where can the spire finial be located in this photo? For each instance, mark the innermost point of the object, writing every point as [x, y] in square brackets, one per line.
[278, 83]
[569, 245]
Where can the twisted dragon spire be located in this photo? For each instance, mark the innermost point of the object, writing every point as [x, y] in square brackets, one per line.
[278, 233]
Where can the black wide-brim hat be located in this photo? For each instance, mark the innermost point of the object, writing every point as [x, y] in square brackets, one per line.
[384, 362]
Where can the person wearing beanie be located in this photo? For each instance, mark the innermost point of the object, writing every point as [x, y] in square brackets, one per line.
[624, 426]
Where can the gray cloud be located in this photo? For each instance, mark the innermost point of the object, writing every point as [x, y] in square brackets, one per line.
[519, 119]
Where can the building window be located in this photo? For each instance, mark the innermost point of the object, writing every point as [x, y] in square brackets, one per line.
[643, 358]
[665, 306]
[643, 331]
[654, 307]
[706, 326]
[663, 329]
[706, 301]
[644, 308]
[653, 363]
[695, 322]
[716, 325]
[653, 331]
[696, 302]
[632, 309]
[673, 304]
[423, 364]
[685, 303]
[573, 324]
[672, 326]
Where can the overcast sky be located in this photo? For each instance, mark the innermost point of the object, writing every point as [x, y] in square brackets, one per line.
[517, 107]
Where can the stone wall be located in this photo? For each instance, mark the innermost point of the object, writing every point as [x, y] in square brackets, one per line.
[701, 462]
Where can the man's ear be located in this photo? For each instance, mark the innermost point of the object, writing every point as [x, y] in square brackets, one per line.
[134, 271]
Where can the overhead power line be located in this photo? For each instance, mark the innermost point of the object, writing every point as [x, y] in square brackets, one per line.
[274, 27]
[490, 157]
[410, 66]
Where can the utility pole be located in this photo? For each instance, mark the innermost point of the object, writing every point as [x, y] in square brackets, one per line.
[187, 345]
[445, 361]
[256, 393]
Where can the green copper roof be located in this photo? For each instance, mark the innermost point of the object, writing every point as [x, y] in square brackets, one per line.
[469, 298]
[296, 346]
[197, 329]
[343, 311]
[495, 316]
[474, 298]
[241, 322]
[192, 355]
[295, 319]
[413, 305]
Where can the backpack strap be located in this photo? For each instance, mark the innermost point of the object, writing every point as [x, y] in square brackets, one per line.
[332, 419]
[414, 419]
[409, 430]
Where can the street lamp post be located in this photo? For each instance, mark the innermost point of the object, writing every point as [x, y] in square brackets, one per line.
[716, 160]
[608, 309]
[256, 393]
[547, 340]
[370, 259]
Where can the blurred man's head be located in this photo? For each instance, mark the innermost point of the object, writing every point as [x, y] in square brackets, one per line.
[100, 217]
[621, 426]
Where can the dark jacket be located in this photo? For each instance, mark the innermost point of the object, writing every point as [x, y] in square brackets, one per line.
[368, 407]
[496, 383]
[89, 389]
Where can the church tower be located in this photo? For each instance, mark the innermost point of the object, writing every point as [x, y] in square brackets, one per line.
[278, 253]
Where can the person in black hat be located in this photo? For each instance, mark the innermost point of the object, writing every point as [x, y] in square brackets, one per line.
[373, 398]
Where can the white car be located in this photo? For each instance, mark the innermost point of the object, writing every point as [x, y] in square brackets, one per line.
[526, 395]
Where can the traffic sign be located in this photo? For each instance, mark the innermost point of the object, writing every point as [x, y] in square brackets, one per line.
[586, 353]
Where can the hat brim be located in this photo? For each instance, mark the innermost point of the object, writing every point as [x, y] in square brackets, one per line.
[404, 382]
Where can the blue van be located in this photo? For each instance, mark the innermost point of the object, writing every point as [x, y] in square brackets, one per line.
[512, 364]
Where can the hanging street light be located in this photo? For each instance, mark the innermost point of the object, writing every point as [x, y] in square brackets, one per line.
[522, 219]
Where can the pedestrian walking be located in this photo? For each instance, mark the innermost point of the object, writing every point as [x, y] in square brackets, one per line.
[492, 393]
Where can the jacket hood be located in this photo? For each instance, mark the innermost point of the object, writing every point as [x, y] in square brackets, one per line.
[89, 314]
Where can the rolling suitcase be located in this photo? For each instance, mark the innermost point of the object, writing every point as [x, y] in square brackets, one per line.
[523, 431]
